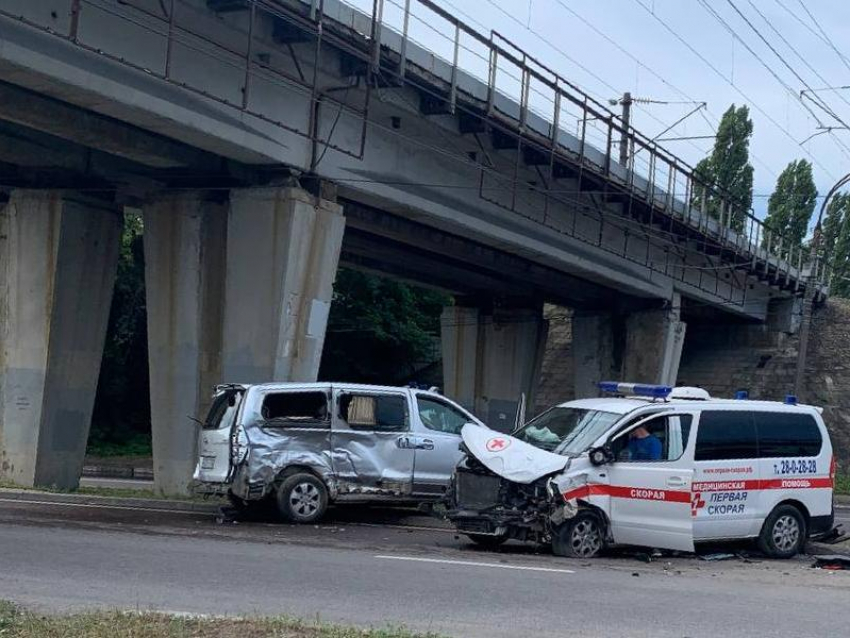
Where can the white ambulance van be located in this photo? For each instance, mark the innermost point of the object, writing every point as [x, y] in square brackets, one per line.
[651, 466]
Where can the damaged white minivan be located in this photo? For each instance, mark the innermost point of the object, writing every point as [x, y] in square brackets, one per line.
[652, 466]
[304, 446]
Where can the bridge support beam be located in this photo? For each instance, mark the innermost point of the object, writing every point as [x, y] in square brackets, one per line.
[185, 237]
[489, 360]
[238, 291]
[643, 346]
[283, 247]
[58, 272]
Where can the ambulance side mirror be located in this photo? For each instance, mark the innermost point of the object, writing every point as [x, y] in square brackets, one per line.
[601, 455]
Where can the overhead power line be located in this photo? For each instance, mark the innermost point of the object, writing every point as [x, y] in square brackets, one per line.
[801, 57]
[826, 38]
[785, 62]
[738, 90]
[819, 102]
[713, 12]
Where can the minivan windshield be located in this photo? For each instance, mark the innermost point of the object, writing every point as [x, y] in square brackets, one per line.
[568, 431]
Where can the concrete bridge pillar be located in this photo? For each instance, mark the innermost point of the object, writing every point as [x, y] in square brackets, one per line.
[238, 291]
[58, 267]
[185, 240]
[490, 359]
[643, 346]
[283, 248]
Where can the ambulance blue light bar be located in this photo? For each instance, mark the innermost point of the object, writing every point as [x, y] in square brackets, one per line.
[636, 389]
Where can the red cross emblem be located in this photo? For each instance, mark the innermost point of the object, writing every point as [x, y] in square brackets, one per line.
[497, 444]
[696, 503]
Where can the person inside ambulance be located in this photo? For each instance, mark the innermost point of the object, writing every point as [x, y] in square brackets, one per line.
[643, 445]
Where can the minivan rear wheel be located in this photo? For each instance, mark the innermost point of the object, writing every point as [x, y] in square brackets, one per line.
[783, 534]
[302, 498]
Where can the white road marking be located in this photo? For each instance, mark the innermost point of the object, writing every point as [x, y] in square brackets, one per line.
[471, 563]
[103, 506]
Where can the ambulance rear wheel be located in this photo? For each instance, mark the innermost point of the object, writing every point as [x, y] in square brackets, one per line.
[579, 537]
[488, 541]
[302, 498]
[783, 534]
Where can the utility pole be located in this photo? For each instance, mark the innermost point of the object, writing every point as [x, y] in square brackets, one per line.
[626, 103]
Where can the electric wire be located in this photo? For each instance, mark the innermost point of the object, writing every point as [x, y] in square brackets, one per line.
[712, 12]
[737, 89]
[827, 109]
[826, 38]
[800, 57]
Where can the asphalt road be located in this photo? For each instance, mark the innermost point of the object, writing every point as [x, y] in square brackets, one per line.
[397, 571]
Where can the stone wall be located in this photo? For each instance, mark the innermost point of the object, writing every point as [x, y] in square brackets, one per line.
[726, 358]
[555, 383]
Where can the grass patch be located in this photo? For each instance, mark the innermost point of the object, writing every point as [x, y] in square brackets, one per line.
[842, 484]
[134, 445]
[19, 623]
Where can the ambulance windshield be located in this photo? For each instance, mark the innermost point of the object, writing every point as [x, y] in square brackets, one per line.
[568, 431]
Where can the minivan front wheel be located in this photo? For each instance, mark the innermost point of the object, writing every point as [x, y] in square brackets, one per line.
[783, 534]
[302, 498]
[579, 537]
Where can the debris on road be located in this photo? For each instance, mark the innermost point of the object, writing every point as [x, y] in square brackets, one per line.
[832, 562]
[717, 556]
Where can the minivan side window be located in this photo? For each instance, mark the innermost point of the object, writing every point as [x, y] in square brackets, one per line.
[787, 434]
[725, 435]
[439, 416]
[374, 412]
[296, 410]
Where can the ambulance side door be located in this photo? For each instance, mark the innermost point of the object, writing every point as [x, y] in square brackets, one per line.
[651, 497]
[727, 499]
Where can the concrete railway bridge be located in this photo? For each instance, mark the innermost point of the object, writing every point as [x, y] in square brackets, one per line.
[267, 141]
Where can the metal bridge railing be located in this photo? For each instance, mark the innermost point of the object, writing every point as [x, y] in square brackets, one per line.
[481, 76]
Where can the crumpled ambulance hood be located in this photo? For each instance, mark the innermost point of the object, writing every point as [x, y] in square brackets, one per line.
[508, 457]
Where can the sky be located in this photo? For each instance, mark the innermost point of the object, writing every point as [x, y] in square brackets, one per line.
[678, 53]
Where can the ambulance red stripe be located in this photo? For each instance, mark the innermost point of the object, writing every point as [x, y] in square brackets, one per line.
[681, 496]
[624, 491]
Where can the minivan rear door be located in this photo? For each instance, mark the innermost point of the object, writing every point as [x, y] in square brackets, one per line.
[214, 440]
[373, 447]
[650, 485]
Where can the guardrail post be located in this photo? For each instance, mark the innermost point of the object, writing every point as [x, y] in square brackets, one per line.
[491, 79]
[402, 65]
[523, 99]
[453, 89]
[377, 19]
[246, 86]
[170, 42]
[73, 28]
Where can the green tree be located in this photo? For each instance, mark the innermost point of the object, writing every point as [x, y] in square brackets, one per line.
[831, 225]
[792, 203]
[836, 244]
[380, 330]
[727, 170]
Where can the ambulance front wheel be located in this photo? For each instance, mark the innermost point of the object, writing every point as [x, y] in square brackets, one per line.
[783, 534]
[582, 536]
